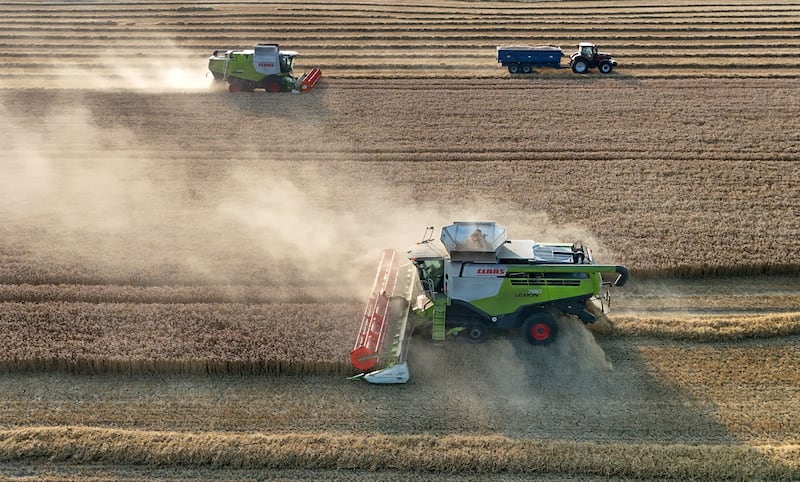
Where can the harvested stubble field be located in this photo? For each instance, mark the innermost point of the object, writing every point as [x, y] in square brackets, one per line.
[182, 271]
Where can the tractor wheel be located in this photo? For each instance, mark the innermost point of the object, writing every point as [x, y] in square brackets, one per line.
[605, 67]
[513, 68]
[580, 66]
[273, 85]
[526, 68]
[540, 329]
[475, 332]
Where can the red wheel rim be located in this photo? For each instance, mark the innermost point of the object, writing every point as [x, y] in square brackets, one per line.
[363, 358]
[540, 332]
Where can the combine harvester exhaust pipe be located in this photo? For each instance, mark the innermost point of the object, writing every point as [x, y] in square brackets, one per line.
[381, 347]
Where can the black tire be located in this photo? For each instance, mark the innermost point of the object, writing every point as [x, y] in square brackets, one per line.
[605, 67]
[235, 86]
[540, 328]
[513, 68]
[475, 332]
[580, 66]
[526, 68]
[272, 84]
[240, 85]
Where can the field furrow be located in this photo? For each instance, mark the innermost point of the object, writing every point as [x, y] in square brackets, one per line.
[636, 32]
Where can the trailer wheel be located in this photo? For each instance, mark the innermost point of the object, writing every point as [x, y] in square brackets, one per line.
[526, 68]
[540, 329]
[513, 68]
[605, 67]
[580, 66]
[475, 332]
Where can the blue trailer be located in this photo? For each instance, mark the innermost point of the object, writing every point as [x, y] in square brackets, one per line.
[522, 60]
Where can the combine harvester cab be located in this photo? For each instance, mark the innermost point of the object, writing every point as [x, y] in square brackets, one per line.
[473, 281]
[264, 67]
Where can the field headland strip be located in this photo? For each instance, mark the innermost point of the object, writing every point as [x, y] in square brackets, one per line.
[413, 453]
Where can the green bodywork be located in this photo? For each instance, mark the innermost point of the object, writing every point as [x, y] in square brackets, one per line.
[527, 285]
[502, 289]
[238, 64]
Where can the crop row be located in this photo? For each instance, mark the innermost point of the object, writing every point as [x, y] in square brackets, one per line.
[709, 328]
[319, 29]
[420, 454]
[682, 177]
[109, 293]
[626, 301]
[193, 338]
[246, 338]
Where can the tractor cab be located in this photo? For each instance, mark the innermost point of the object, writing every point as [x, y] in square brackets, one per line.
[588, 50]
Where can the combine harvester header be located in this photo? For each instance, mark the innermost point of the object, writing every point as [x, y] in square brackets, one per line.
[471, 282]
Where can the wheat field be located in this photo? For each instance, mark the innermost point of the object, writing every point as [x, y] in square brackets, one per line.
[183, 271]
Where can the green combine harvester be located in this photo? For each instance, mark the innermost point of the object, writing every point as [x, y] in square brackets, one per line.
[471, 282]
[264, 67]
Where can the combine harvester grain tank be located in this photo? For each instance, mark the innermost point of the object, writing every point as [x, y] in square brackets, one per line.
[470, 282]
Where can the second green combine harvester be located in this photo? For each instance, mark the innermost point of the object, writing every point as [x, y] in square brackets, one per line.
[470, 282]
[264, 67]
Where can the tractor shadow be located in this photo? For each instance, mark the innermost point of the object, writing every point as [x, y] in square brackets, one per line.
[565, 75]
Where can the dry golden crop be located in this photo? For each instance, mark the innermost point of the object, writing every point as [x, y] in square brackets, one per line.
[415, 454]
[667, 182]
[441, 40]
[188, 338]
[157, 233]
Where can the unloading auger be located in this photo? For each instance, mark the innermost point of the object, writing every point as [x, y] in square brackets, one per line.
[471, 282]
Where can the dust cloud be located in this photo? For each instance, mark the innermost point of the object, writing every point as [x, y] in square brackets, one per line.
[94, 203]
[506, 378]
[169, 69]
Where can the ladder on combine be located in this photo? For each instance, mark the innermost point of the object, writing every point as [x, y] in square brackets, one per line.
[440, 303]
